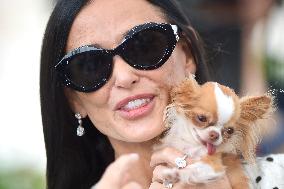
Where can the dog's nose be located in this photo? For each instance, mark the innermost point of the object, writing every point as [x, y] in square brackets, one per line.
[213, 135]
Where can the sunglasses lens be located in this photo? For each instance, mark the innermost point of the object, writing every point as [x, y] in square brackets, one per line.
[90, 70]
[146, 49]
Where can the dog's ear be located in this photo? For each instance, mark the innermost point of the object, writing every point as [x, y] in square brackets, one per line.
[184, 91]
[253, 109]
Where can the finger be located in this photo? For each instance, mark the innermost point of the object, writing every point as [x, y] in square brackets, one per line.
[116, 173]
[124, 162]
[162, 173]
[156, 185]
[158, 173]
[132, 185]
[166, 156]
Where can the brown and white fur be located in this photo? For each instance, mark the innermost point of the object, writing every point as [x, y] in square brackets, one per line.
[214, 127]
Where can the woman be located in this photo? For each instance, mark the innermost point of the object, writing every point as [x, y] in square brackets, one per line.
[118, 95]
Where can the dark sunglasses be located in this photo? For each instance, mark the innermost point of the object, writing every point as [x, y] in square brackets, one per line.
[145, 47]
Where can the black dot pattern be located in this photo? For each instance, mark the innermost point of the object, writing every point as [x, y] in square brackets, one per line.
[258, 179]
[268, 166]
[269, 159]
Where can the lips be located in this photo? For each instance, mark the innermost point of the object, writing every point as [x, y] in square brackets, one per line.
[135, 106]
[211, 149]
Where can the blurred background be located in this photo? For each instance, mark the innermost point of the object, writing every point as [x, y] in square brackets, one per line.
[245, 48]
[22, 153]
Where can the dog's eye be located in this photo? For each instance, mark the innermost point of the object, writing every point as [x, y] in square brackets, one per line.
[230, 130]
[202, 118]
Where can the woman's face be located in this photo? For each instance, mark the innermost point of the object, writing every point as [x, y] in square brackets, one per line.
[129, 107]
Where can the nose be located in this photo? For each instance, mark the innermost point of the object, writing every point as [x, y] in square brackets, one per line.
[213, 136]
[125, 76]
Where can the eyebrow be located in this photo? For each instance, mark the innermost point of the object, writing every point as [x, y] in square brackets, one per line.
[124, 34]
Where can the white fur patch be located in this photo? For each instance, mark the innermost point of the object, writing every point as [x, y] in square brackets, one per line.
[181, 134]
[199, 172]
[204, 134]
[225, 106]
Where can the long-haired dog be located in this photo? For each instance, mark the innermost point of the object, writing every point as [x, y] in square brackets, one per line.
[215, 128]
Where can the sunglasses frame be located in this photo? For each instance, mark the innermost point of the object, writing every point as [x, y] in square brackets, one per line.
[172, 30]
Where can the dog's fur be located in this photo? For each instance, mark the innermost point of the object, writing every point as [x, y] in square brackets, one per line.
[215, 128]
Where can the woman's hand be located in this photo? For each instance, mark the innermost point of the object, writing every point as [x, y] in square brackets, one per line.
[117, 174]
[164, 159]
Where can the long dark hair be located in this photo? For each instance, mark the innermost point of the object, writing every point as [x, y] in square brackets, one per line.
[72, 161]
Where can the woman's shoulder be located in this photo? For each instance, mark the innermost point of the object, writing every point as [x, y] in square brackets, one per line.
[267, 173]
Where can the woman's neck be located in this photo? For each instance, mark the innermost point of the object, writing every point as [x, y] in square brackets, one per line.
[143, 171]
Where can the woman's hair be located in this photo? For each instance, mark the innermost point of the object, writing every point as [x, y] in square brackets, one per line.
[72, 161]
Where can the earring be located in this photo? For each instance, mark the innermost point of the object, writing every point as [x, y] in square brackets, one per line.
[80, 129]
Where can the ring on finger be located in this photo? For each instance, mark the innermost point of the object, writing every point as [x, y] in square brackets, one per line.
[181, 162]
[168, 184]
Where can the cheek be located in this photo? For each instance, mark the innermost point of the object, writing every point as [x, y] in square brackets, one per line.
[176, 68]
[97, 99]
[164, 78]
[95, 105]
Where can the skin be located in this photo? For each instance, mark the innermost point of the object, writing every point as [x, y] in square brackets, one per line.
[102, 22]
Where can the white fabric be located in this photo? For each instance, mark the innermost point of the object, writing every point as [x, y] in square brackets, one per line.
[268, 172]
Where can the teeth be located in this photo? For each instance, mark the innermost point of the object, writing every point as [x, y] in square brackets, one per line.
[136, 103]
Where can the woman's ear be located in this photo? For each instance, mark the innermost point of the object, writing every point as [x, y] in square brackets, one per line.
[74, 102]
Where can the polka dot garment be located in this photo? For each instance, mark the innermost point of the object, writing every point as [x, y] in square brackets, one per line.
[268, 172]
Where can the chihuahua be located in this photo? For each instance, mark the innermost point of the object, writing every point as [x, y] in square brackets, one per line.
[216, 129]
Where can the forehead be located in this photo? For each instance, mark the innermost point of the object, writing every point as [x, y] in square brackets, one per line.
[104, 22]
